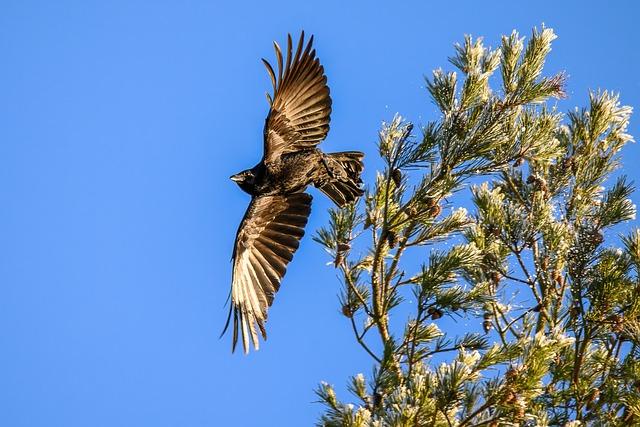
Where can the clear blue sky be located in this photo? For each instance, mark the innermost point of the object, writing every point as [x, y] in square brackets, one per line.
[120, 123]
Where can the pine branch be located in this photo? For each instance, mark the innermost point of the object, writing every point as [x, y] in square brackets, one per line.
[539, 219]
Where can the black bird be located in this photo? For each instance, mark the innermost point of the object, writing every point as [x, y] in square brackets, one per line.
[273, 225]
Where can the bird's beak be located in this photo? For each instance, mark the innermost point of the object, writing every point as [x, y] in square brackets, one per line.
[236, 178]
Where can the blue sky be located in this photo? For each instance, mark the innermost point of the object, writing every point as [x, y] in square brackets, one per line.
[120, 123]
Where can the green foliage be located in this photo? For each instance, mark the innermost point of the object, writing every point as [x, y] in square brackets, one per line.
[552, 305]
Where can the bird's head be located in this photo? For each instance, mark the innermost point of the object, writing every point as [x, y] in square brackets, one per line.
[245, 180]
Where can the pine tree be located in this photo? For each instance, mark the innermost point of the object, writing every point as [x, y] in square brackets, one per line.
[550, 294]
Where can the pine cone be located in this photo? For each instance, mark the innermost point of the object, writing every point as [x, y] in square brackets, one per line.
[393, 239]
[519, 161]
[486, 325]
[343, 247]
[347, 311]
[435, 313]
[396, 176]
[341, 250]
[435, 211]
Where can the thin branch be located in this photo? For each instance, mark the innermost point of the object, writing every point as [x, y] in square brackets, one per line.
[361, 341]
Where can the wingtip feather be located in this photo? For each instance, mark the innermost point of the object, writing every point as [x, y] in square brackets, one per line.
[272, 74]
[279, 58]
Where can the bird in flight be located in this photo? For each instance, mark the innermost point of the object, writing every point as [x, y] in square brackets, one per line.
[274, 222]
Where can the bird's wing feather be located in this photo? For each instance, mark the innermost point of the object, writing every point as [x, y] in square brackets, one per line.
[300, 108]
[267, 238]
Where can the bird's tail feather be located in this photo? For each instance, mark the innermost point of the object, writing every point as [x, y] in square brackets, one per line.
[342, 181]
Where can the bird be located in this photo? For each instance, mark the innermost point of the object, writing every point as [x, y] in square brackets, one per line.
[273, 224]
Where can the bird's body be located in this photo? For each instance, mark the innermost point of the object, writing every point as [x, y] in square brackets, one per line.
[273, 225]
[291, 173]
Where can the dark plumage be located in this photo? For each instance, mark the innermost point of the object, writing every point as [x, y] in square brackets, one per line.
[273, 225]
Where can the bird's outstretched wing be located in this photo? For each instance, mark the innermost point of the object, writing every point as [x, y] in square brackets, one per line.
[267, 238]
[301, 105]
